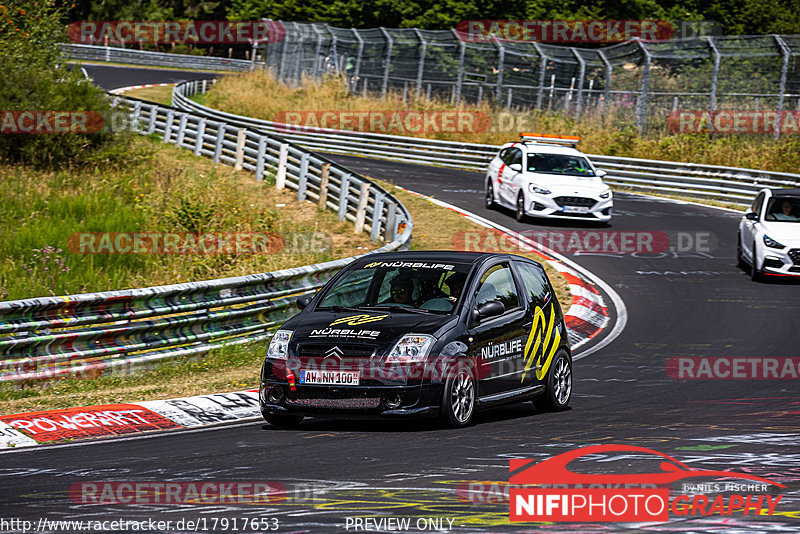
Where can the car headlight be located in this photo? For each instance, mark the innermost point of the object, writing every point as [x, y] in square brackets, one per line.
[771, 243]
[533, 188]
[279, 345]
[411, 348]
[605, 194]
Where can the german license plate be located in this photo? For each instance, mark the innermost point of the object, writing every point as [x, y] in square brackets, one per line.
[331, 378]
[576, 209]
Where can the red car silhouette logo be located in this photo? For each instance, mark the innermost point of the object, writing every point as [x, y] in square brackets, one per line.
[554, 470]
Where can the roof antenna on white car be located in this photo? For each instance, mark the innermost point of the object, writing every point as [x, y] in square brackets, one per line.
[571, 140]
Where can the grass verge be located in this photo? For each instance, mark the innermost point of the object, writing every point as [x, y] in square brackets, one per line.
[159, 95]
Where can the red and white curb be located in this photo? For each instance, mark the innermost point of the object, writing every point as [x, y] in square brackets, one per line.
[132, 87]
[110, 420]
[588, 314]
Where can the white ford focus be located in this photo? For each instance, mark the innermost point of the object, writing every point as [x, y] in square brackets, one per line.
[769, 234]
[545, 176]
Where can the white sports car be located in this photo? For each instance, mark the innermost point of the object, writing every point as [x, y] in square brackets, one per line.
[545, 176]
[769, 234]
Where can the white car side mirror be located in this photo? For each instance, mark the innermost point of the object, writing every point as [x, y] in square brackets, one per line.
[516, 167]
[600, 173]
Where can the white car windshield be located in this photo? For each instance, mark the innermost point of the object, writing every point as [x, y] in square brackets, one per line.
[783, 209]
[559, 164]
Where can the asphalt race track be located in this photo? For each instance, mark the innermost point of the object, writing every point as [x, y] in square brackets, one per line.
[680, 303]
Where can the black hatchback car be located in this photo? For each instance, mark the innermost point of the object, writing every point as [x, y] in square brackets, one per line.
[420, 334]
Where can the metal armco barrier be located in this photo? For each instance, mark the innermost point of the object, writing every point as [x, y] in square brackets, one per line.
[119, 331]
[730, 184]
[110, 54]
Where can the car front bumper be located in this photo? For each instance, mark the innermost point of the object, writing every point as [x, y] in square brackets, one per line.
[546, 207]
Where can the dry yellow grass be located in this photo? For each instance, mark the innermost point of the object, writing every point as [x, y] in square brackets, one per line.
[257, 94]
[160, 95]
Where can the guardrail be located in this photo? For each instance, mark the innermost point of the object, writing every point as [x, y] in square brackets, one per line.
[119, 331]
[111, 54]
[734, 185]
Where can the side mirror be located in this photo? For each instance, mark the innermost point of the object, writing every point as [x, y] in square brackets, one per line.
[600, 173]
[752, 216]
[516, 167]
[303, 301]
[489, 309]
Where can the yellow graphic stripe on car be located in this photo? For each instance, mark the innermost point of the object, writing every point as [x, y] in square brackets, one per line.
[355, 320]
[534, 337]
[555, 338]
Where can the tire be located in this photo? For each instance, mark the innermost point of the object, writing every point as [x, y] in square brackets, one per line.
[490, 203]
[755, 273]
[282, 420]
[740, 263]
[558, 384]
[458, 401]
[520, 212]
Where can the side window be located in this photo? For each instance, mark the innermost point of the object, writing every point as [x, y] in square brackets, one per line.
[537, 290]
[756, 207]
[515, 156]
[497, 284]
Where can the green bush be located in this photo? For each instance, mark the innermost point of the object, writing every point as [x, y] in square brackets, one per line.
[34, 76]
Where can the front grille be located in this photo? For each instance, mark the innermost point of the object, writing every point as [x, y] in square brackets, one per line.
[774, 264]
[575, 201]
[580, 215]
[795, 255]
[794, 269]
[357, 403]
[348, 350]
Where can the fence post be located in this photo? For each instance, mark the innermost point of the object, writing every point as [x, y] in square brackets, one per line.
[220, 138]
[462, 48]
[421, 67]
[241, 138]
[333, 52]
[344, 193]
[323, 185]
[389, 45]
[361, 211]
[501, 59]
[581, 76]
[302, 179]
[542, 72]
[201, 132]
[299, 56]
[782, 89]
[280, 175]
[181, 129]
[641, 107]
[391, 222]
[261, 157]
[609, 69]
[359, 54]
[377, 212]
[137, 110]
[317, 52]
[168, 125]
[712, 104]
[282, 64]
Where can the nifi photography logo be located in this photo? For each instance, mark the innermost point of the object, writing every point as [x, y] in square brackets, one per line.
[550, 491]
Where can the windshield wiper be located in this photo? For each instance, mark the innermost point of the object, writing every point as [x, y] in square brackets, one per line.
[396, 308]
[338, 308]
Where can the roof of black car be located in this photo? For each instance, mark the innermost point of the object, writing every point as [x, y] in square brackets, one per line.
[439, 256]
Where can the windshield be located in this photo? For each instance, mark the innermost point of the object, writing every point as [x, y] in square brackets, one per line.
[559, 164]
[429, 286]
[783, 209]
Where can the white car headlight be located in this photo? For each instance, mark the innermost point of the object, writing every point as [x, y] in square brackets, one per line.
[606, 193]
[771, 243]
[279, 345]
[411, 348]
[533, 188]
